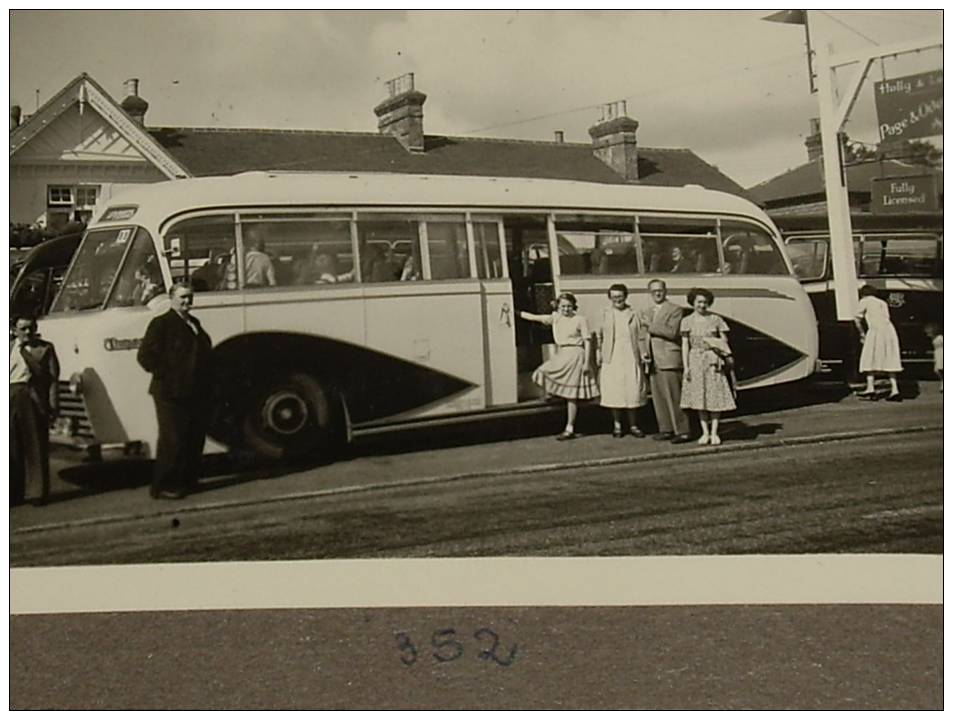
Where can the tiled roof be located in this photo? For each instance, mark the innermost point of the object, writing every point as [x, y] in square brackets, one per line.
[206, 152]
[807, 180]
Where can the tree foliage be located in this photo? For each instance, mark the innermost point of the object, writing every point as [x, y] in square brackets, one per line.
[910, 151]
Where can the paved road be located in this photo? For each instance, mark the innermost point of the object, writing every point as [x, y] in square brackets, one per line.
[870, 494]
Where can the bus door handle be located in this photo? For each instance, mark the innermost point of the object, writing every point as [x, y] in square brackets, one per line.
[505, 314]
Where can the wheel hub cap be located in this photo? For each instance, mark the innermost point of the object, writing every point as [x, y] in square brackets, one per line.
[285, 413]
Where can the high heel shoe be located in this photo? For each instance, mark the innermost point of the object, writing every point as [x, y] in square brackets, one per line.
[714, 439]
[704, 439]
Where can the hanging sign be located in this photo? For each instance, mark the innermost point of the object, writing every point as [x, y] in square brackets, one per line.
[917, 193]
[910, 107]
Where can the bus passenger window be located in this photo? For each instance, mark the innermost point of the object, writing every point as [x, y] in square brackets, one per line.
[447, 244]
[596, 244]
[808, 257]
[679, 255]
[202, 251]
[900, 255]
[486, 236]
[389, 245]
[679, 245]
[749, 249]
[301, 249]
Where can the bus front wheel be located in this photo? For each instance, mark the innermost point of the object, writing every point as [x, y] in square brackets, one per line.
[290, 417]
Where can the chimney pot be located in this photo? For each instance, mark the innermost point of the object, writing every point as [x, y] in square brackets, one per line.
[815, 149]
[133, 104]
[614, 142]
[560, 137]
[402, 114]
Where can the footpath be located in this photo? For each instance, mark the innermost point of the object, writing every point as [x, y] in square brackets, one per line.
[93, 493]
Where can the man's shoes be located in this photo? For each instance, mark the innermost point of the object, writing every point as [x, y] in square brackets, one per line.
[662, 436]
[681, 439]
[174, 495]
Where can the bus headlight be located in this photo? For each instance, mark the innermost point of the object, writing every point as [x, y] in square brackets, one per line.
[76, 384]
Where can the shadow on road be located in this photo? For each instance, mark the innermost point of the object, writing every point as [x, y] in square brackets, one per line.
[740, 431]
[225, 470]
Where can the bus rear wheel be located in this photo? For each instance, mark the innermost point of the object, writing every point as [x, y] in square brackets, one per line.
[291, 417]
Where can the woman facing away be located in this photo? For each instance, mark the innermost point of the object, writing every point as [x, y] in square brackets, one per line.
[705, 352]
[567, 374]
[881, 350]
[620, 355]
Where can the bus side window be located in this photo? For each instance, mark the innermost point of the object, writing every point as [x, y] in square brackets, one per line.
[447, 245]
[679, 245]
[389, 245]
[201, 251]
[486, 237]
[596, 244]
[808, 257]
[750, 250]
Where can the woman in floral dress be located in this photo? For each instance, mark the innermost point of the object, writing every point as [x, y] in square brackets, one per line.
[706, 387]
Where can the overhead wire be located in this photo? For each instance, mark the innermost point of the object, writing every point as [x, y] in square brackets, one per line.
[643, 94]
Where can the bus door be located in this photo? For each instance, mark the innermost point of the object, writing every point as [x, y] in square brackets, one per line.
[500, 320]
[526, 240]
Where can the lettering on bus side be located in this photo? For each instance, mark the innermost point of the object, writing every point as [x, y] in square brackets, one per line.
[122, 344]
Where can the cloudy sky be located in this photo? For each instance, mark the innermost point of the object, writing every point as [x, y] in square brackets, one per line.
[732, 88]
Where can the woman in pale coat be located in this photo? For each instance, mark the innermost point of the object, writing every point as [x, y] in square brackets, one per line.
[620, 355]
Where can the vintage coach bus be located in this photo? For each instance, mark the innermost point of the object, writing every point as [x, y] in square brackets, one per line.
[901, 256]
[394, 297]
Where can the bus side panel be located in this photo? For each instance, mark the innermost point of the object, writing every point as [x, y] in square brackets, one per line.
[499, 341]
[913, 303]
[115, 387]
[437, 325]
[333, 311]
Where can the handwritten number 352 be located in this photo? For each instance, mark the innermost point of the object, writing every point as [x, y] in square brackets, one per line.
[447, 648]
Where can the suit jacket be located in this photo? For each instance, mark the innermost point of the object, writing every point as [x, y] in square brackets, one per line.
[607, 334]
[179, 359]
[40, 358]
[664, 341]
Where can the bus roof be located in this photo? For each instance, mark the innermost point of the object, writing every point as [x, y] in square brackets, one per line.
[158, 201]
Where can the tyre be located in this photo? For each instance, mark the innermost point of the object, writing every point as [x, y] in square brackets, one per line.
[291, 417]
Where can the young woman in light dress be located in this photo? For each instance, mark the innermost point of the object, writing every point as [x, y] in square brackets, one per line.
[568, 373]
[881, 349]
[706, 387]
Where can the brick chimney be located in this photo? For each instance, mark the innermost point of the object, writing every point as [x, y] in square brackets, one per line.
[613, 140]
[813, 142]
[15, 114]
[132, 104]
[402, 114]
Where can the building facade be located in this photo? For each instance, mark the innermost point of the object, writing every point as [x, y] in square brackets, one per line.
[82, 147]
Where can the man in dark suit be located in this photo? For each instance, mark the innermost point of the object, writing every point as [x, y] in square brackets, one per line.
[664, 357]
[178, 353]
[34, 402]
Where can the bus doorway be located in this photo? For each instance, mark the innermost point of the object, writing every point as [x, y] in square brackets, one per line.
[531, 273]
